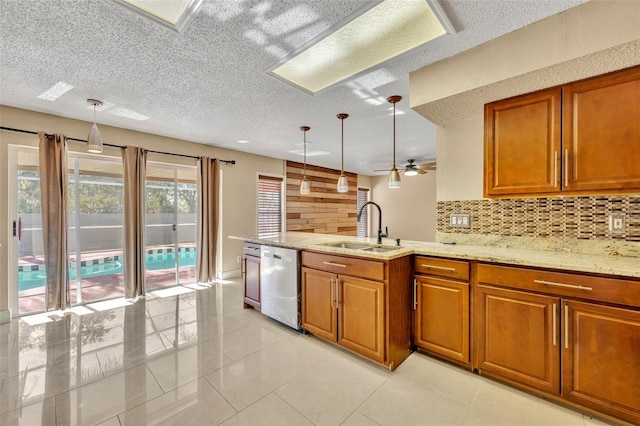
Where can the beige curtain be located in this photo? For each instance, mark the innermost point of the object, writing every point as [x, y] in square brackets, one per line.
[134, 161]
[208, 194]
[53, 193]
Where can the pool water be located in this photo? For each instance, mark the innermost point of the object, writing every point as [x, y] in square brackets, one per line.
[153, 262]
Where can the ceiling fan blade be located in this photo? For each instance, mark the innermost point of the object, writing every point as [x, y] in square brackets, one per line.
[427, 166]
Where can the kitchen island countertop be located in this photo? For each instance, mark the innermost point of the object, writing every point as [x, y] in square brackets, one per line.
[597, 264]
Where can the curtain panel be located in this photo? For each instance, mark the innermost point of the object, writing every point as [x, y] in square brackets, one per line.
[134, 162]
[208, 200]
[54, 193]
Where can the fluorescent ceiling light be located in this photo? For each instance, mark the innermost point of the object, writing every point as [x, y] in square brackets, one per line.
[127, 113]
[55, 91]
[309, 153]
[174, 14]
[383, 32]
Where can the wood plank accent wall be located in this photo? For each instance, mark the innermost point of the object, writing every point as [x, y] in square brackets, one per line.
[325, 210]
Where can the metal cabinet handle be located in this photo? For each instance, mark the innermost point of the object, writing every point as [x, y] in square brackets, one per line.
[577, 287]
[424, 265]
[337, 293]
[415, 294]
[334, 264]
[566, 167]
[554, 324]
[333, 295]
[566, 326]
[555, 168]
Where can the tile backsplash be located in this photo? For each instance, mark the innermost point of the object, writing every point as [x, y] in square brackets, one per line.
[567, 219]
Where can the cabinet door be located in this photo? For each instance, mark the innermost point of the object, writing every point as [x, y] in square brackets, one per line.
[601, 132]
[601, 364]
[318, 303]
[252, 281]
[517, 337]
[361, 316]
[522, 144]
[442, 317]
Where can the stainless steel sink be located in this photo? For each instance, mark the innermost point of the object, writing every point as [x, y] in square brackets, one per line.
[362, 246]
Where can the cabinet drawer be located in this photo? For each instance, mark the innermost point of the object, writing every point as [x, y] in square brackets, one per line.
[251, 249]
[610, 290]
[345, 265]
[457, 269]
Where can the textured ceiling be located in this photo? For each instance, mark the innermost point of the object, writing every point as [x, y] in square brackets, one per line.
[208, 85]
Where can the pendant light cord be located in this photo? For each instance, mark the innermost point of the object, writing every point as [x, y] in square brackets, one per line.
[394, 135]
[342, 148]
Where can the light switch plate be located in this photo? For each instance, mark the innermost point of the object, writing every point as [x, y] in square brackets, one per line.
[460, 221]
[617, 224]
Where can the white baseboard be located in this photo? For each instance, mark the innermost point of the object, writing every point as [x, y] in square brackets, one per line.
[234, 273]
[5, 316]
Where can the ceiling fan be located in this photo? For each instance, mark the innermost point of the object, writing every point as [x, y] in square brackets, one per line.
[412, 169]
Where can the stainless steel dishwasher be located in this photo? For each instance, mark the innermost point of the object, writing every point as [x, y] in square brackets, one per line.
[280, 284]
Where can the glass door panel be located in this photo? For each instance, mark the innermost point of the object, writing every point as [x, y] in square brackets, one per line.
[31, 276]
[161, 226]
[96, 227]
[187, 220]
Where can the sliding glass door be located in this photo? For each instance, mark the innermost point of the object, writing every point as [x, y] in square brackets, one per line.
[171, 222]
[96, 226]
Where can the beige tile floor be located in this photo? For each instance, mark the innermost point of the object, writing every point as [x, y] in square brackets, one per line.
[198, 358]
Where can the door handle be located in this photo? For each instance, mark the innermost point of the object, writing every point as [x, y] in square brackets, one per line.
[337, 293]
[334, 264]
[566, 326]
[554, 324]
[415, 294]
[566, 167]
[333, 295]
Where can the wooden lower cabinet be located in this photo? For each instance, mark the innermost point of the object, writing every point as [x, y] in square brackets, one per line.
[601, 358]
[318, 303]
[361, 316]
[517, 336]
[441, 317]
[362, 305]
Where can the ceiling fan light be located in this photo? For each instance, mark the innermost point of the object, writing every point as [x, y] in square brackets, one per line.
[305, 186]
[410, 172]
[394, 179]
[94, 141]
[343, 184]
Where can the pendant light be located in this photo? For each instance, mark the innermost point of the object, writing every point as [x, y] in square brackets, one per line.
[343, 184]
[94, 141]
[305, 185]
[394, 177]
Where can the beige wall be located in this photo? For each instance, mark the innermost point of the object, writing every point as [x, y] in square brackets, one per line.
[460, 148]
[410, 211]
[239, 181]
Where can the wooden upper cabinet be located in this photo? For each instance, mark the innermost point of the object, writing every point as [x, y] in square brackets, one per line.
[583, 137]
[522, 144]
[601, 132]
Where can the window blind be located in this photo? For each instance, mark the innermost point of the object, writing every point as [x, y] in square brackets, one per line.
[269, 206]
[363, 225]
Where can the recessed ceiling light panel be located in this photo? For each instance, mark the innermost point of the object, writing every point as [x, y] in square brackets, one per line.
[377, 35]
[174, 14]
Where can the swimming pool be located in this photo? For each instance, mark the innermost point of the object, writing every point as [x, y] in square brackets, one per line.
[153, 262]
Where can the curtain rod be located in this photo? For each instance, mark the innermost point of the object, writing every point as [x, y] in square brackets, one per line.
[114, 146]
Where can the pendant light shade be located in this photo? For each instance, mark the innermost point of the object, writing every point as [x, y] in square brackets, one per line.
[343, 184]
[94, 141]
[394, 177]
[305, 185]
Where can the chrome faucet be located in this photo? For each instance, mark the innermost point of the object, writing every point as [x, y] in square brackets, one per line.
[380, 233]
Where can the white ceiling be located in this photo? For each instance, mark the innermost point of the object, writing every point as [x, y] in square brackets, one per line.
[208, 84]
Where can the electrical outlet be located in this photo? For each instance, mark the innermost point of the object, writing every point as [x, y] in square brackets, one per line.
[616, 224]
[460, 221]
[238, 259]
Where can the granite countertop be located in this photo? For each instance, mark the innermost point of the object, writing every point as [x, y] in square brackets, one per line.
[590, 263]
